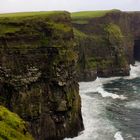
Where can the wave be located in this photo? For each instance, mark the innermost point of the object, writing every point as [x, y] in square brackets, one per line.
[97, 86]
[108, 94]
[97, 125]
[95, 121]
[95, 99]
[118, 136]
[135, 71]
[133, 104]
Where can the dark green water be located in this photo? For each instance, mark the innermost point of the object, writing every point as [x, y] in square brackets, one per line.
[125, 114]
[111, 108]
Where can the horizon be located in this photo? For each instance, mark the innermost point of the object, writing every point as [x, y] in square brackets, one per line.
[14, 6]
[66, 11]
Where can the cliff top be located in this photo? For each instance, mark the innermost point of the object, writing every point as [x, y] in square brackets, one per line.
[30, 14]
[33, 23]
[83, 16]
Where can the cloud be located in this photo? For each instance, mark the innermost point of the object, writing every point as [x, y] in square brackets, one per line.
[69, 5]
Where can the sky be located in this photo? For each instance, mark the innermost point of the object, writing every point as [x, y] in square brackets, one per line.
[69, 5]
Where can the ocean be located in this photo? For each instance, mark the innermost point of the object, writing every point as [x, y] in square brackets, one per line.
[111, 107]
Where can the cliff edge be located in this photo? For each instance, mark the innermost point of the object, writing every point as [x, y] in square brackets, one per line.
[108, 41]
[37, 73]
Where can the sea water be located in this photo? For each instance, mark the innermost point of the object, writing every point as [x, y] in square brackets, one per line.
[111, 107]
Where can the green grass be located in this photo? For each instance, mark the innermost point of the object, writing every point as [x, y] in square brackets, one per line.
[114, 33]
[91, 14]
[79, 33]
[28, 14]
[81, 17]
[8, 29]
[31, 23]
[12, 127]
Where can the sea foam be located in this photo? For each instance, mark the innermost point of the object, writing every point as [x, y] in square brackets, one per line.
[118, 136]
[97, 86]
[135, 71]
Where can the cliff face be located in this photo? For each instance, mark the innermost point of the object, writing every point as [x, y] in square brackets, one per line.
[37, 73]
[106, 42]
[38, 55]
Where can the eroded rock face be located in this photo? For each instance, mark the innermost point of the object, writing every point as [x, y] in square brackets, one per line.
[106, 44]
[37, 74]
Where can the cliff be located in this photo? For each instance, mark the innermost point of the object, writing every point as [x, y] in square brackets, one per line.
[38, 66]
[108, 41]
[37, 73]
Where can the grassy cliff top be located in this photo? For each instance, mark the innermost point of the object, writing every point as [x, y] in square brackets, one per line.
[91, 14]
[31, 24]
[81, 17]
[30, 14]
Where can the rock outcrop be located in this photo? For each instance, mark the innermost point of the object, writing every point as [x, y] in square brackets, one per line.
[106, 42]
[37, 73]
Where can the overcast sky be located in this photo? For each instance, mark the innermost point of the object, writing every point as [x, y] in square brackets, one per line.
[69, 5]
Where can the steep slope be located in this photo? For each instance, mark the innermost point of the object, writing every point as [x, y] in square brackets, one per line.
[37, 73]
[12, 127]
[106, 42]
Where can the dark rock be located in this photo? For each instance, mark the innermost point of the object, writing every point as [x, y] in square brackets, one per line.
[106, 44]
[37, 74]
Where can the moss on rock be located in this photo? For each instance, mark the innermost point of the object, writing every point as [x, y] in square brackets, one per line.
[101, 45]
[12, 127]
[114, 34]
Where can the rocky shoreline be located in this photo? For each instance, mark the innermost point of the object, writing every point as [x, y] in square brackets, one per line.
[42, 58]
